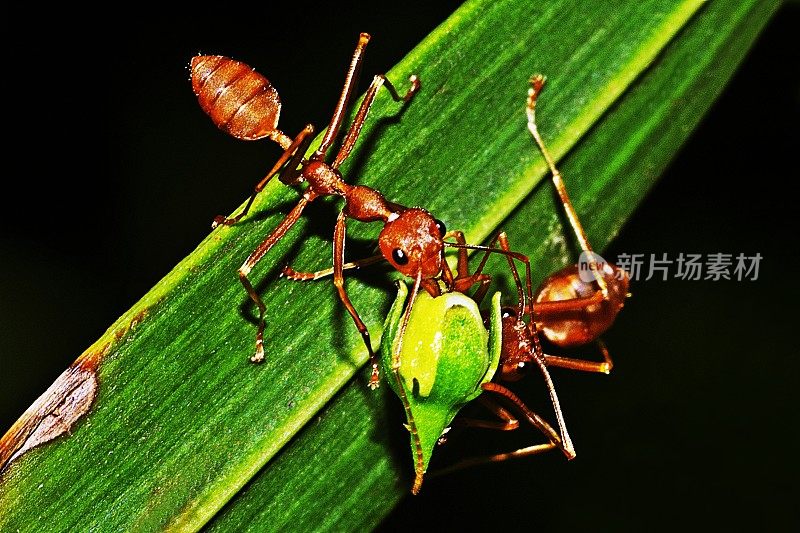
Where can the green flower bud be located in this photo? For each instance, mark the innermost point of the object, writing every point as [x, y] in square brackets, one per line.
[446, 355]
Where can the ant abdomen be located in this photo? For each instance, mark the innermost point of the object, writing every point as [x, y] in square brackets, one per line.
[574, 327]
[239, 100]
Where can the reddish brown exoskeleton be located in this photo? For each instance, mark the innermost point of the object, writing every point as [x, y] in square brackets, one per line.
[570, 308]
[244, 104]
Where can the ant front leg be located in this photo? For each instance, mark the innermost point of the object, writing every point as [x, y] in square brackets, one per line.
[524, 293]
[293, 153]
[296, 275]
[464, 280]
[527, 292]
[256, 256]
[338, 281]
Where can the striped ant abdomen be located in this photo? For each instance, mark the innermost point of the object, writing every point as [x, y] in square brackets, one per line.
[238, 99]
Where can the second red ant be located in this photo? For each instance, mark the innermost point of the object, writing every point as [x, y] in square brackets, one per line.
[568, 309]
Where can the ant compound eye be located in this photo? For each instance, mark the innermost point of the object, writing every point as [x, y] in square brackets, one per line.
[399, 256]
[441, 227]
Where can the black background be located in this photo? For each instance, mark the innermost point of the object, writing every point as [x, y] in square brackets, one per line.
[105, 190]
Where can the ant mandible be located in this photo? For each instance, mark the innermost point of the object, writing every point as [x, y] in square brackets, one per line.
[243, 103]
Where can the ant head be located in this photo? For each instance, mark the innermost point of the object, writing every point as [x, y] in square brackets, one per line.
[412, 243]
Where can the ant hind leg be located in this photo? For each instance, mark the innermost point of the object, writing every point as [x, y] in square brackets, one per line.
[293, 153]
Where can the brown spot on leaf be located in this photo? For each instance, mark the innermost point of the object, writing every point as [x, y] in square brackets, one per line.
[68, 399]
[54, 412]
[90, 359]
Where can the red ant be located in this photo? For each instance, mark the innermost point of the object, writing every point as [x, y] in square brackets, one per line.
[243, 103]
[566, 309]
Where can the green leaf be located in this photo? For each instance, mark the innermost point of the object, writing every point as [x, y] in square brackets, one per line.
[181, 421]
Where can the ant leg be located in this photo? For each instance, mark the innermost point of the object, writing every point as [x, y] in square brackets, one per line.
[462, 267]
[296, 275]
[563, 442]
[537, 83]
[567, 447]
[528, 292]
[560, 307]
[291, 174]
[293, 153]
[507, 423]
[510, 422]
[497, 458]
[338, 281]
[556, 307]
[347, 90]
[464, 280]
[256, 256]
[502, 238]
[540, 311]
[579, 364]
[361, 115]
